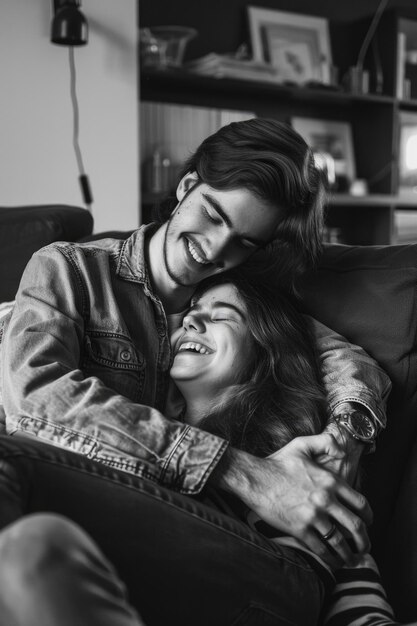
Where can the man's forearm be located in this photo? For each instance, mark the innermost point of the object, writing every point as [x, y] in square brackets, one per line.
[233, 472]
[291, 491]
[350, 374]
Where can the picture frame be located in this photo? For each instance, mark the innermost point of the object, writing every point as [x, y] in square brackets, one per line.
[407, 155]
[297, 45]
[332, 138]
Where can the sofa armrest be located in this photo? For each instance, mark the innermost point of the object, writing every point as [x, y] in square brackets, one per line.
[26, 229]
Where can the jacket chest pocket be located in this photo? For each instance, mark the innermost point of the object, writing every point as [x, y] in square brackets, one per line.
[115, 361]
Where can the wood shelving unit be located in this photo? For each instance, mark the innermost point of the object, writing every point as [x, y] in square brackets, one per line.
[374, 119]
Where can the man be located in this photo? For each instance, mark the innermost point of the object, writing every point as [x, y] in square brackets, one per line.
[86, 352]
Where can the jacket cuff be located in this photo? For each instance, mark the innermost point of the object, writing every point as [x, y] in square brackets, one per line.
[188, 467]
[374, 405]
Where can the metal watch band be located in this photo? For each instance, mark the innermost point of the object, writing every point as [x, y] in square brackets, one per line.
[365, 429]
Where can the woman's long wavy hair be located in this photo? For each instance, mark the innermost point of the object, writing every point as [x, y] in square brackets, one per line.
[280, 394]
[270, 159]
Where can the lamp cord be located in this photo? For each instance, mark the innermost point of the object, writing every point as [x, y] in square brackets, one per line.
[371, 32]
[85, 186]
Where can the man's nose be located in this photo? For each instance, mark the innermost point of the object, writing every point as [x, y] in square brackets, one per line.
[220, 248]
[193, 322]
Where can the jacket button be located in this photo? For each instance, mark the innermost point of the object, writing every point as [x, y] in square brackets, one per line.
[125, 355]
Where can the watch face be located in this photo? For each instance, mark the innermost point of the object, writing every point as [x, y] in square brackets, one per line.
[362, 425]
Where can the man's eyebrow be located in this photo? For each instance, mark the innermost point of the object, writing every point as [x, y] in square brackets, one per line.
[217, 207]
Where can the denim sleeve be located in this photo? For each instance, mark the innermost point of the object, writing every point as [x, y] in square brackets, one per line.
[350, 374]
[46, 394]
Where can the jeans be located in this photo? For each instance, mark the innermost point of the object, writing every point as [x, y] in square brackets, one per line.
[53, 574]
[180, 561]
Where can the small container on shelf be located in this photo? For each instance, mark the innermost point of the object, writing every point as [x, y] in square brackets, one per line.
[157, 172]
[162, 47]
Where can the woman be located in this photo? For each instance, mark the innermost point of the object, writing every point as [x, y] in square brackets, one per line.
[246, 369]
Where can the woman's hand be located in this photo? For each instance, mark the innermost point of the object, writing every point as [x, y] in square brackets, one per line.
[294, 493]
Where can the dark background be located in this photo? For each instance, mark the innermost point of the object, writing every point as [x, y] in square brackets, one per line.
[222, 24]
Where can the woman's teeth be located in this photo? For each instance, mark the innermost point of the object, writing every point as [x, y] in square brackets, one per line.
[196, 347]
[195, 254]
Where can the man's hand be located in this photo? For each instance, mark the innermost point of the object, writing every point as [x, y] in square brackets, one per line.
[351, 450]
[348, 465]
[291, 491]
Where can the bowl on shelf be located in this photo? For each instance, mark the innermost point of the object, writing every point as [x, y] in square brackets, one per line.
[163, 47]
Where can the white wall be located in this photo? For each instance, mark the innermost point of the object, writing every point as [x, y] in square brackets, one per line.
[37, 161]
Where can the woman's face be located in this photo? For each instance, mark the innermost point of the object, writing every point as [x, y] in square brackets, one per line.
[213, 345]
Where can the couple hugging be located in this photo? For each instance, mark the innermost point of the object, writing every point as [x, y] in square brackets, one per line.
[87, 361]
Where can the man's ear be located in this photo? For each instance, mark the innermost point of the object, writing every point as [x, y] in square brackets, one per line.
[186, 183]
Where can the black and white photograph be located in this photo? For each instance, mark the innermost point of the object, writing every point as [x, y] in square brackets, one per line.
[208, 329]
[298, 46]
[331, 138]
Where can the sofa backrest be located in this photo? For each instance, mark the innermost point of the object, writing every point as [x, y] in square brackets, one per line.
[369, 295]
[25, 229]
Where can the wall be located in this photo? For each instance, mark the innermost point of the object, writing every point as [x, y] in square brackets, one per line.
[37, 161]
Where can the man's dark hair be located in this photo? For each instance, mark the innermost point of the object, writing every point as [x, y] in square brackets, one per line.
[270, 159]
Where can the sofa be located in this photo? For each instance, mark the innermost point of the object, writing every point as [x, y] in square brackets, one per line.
[368, 294]
[25, 229]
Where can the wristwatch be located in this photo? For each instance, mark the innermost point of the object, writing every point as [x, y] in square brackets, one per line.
[358, 424]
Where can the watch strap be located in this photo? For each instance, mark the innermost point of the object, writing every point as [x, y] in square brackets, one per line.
[344, 420]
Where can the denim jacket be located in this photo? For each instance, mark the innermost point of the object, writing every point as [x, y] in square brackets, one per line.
[86, 358]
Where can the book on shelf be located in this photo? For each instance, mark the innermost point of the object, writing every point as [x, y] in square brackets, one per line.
[401, 56]
[226, 66]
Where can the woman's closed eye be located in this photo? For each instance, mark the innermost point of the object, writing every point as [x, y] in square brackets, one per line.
[224, 317]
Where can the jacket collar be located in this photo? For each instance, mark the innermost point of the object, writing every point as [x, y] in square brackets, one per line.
[132, 260]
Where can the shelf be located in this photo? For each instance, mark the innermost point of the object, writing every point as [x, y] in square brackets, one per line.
[372, 118]
[372, 200]
[184, 87]
[408, 105]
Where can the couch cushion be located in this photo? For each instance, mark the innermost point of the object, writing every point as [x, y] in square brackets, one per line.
[369, 294]
[23, 230]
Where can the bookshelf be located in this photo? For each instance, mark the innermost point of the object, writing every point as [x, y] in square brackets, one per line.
[375, 120]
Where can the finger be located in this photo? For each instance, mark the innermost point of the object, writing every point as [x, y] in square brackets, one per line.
[356, 529]
[336, 542]
[355, 501]
[319, 445]
[313, 542]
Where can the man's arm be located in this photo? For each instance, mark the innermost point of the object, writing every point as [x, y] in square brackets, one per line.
[297, 490]
[293, 493]
[353, 381]
[46, 393]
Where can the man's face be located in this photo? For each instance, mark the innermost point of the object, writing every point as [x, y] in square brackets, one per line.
[212, 231]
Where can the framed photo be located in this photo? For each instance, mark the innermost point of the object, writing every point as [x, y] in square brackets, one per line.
[297, 45]
[330, 138]
[407, 162]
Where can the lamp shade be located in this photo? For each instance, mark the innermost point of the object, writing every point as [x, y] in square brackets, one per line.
[69, 26]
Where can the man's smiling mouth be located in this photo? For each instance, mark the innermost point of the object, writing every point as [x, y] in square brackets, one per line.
[194, 253]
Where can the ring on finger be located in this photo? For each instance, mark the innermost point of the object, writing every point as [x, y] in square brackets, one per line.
[329, 534]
